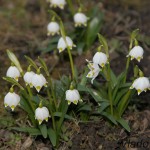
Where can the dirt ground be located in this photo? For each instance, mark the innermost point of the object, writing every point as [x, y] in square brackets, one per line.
[23, 30]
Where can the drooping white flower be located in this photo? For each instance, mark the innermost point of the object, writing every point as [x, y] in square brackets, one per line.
[80, 19]
[100, 58]
[13, 72]
[62, 44]
[38, 81]
[136, 53]
[94, 71]
[58, 3]
[28, 78]
[141, 84]
[73, 96]
[12, 100]
[44, 80]
[53, 28]
[41, 114]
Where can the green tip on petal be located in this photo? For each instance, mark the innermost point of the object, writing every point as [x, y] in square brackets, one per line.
[75, 102]
[5, 105]
[132, 57]
[38, 88]
[139, 59]
[60, 50]
[31, 85]
[12, 107]
[69, 102]
[46, 119]
[131, 87]
[139, 91]
[40, 121]
[102, 65]
[81, 100]
[17, 79]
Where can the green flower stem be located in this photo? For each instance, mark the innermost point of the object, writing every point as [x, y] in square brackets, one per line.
[110, 90]
[53, 119]
[71, 7]
[71, 62]
[127, 67]
[63, 33]
[52, 91]
[106, 71]
[128, 62]
[30, 99]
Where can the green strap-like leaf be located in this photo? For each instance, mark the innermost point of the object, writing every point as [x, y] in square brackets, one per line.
[14, 59]
[30, 130]
[31, 62]
[43, 64]
[52, 136]
[124, 124]
[43, 130]
[13, 81]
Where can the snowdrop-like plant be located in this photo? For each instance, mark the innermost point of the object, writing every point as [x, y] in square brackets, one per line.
[28, 78]
[80, 19]
[141, 84]
[115, 92]
[64, 43]
[12, 100]
[73, 96]
[58, 3]
[53, 28]
[13, 72]
[136, 53]
[53, 104]
[41, 114]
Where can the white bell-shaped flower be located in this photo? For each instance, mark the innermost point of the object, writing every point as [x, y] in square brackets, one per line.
[141, 84]
[13, 72]
[44, 80]
[41, 114]
[38, 81]
[12, 100]
[80, 19]
[53, 28]
[100, 58]
[136, 53]
[73, 96]
[62, 44]
[28, 78]
[94, 71]
[58, 3]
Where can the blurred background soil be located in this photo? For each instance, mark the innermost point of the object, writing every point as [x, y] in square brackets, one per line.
[23, 30]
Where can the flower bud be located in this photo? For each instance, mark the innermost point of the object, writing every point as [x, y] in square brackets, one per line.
[13, 72]
[28, 78]
[52, 28]
[58, 3]
[12, 100]
[100, 59]
[141, 84]
[136, 53]
[73, 96]
[80, 19]
[41, 114]
[62, 44]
